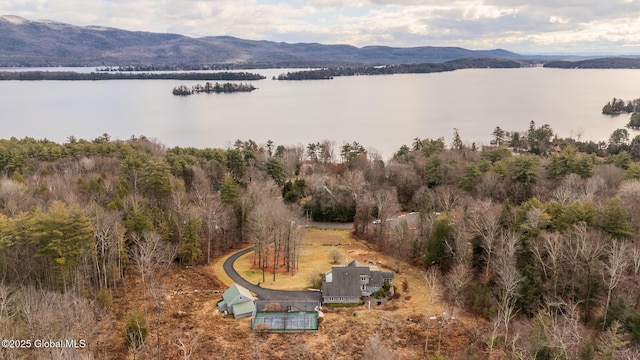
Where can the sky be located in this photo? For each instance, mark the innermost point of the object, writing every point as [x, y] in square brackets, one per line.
[524, 26]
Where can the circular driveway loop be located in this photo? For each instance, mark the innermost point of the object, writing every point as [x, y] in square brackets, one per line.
[262, 293]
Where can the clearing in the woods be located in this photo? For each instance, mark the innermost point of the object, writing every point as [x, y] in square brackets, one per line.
[187, 318]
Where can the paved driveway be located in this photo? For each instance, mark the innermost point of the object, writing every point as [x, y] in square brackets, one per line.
[266, 294]
[331, 225]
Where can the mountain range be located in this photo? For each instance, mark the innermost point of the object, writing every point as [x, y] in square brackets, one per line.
[49, 43]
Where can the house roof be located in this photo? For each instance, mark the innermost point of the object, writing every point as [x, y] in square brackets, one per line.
[356, 263]
[345, 281]
[286, 305]
[234, 292]
[243, 308]
[388, 275]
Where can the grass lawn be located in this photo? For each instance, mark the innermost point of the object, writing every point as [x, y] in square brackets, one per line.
[314, 259]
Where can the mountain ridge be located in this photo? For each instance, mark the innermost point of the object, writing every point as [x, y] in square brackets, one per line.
[25, 42]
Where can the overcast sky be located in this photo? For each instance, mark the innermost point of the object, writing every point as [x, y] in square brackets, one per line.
[525, 26]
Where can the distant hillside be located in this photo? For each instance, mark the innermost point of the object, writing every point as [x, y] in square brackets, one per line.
[48, 43]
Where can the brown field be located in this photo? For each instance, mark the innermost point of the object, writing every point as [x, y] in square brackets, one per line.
[188, 311]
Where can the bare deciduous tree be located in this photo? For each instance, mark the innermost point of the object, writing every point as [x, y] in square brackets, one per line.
[563, 327]
[434, 289]
[210, 210]
[583, 250]
[377, 350]
[491, 186]
[571, 189]
[454, 284]
[292, 158]
[275, 230]
[548, 252]
[399, 241]
[484, 222]
[613, 271]
[152, 257]
[592, 186]
[335, 255]
[110, 246]
[634, 258]
[187, 343]
[37, 314]
[448, 197]
[508, 280]
[386, 202]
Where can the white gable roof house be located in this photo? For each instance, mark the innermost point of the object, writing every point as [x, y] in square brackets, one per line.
[238, 301]
[347, 284]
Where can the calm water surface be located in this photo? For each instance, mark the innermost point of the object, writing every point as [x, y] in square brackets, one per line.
[381, 112]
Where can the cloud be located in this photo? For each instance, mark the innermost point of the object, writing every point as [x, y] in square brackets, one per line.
[519, 25]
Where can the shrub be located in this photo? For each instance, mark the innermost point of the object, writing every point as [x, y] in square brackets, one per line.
[316, 281]
[104, 299]
[405, 285]
[479, 300]
[137, 330]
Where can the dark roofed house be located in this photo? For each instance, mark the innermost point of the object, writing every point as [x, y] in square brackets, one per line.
[347, 284]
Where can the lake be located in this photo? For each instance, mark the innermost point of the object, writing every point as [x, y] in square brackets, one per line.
[380, 112]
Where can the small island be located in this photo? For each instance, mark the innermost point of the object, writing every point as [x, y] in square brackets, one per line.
[208, 88]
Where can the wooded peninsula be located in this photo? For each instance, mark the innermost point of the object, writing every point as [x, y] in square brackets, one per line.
[423, 68]
[619, 106]
[600, 63]
[73, 76]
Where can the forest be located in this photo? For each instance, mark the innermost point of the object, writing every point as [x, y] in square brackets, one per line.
[536, 235]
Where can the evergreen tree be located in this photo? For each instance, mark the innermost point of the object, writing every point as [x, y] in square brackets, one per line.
[275, 169]
[439, 246]
[615, 219]
[62, 235]
[456, 143]
[229, 190]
